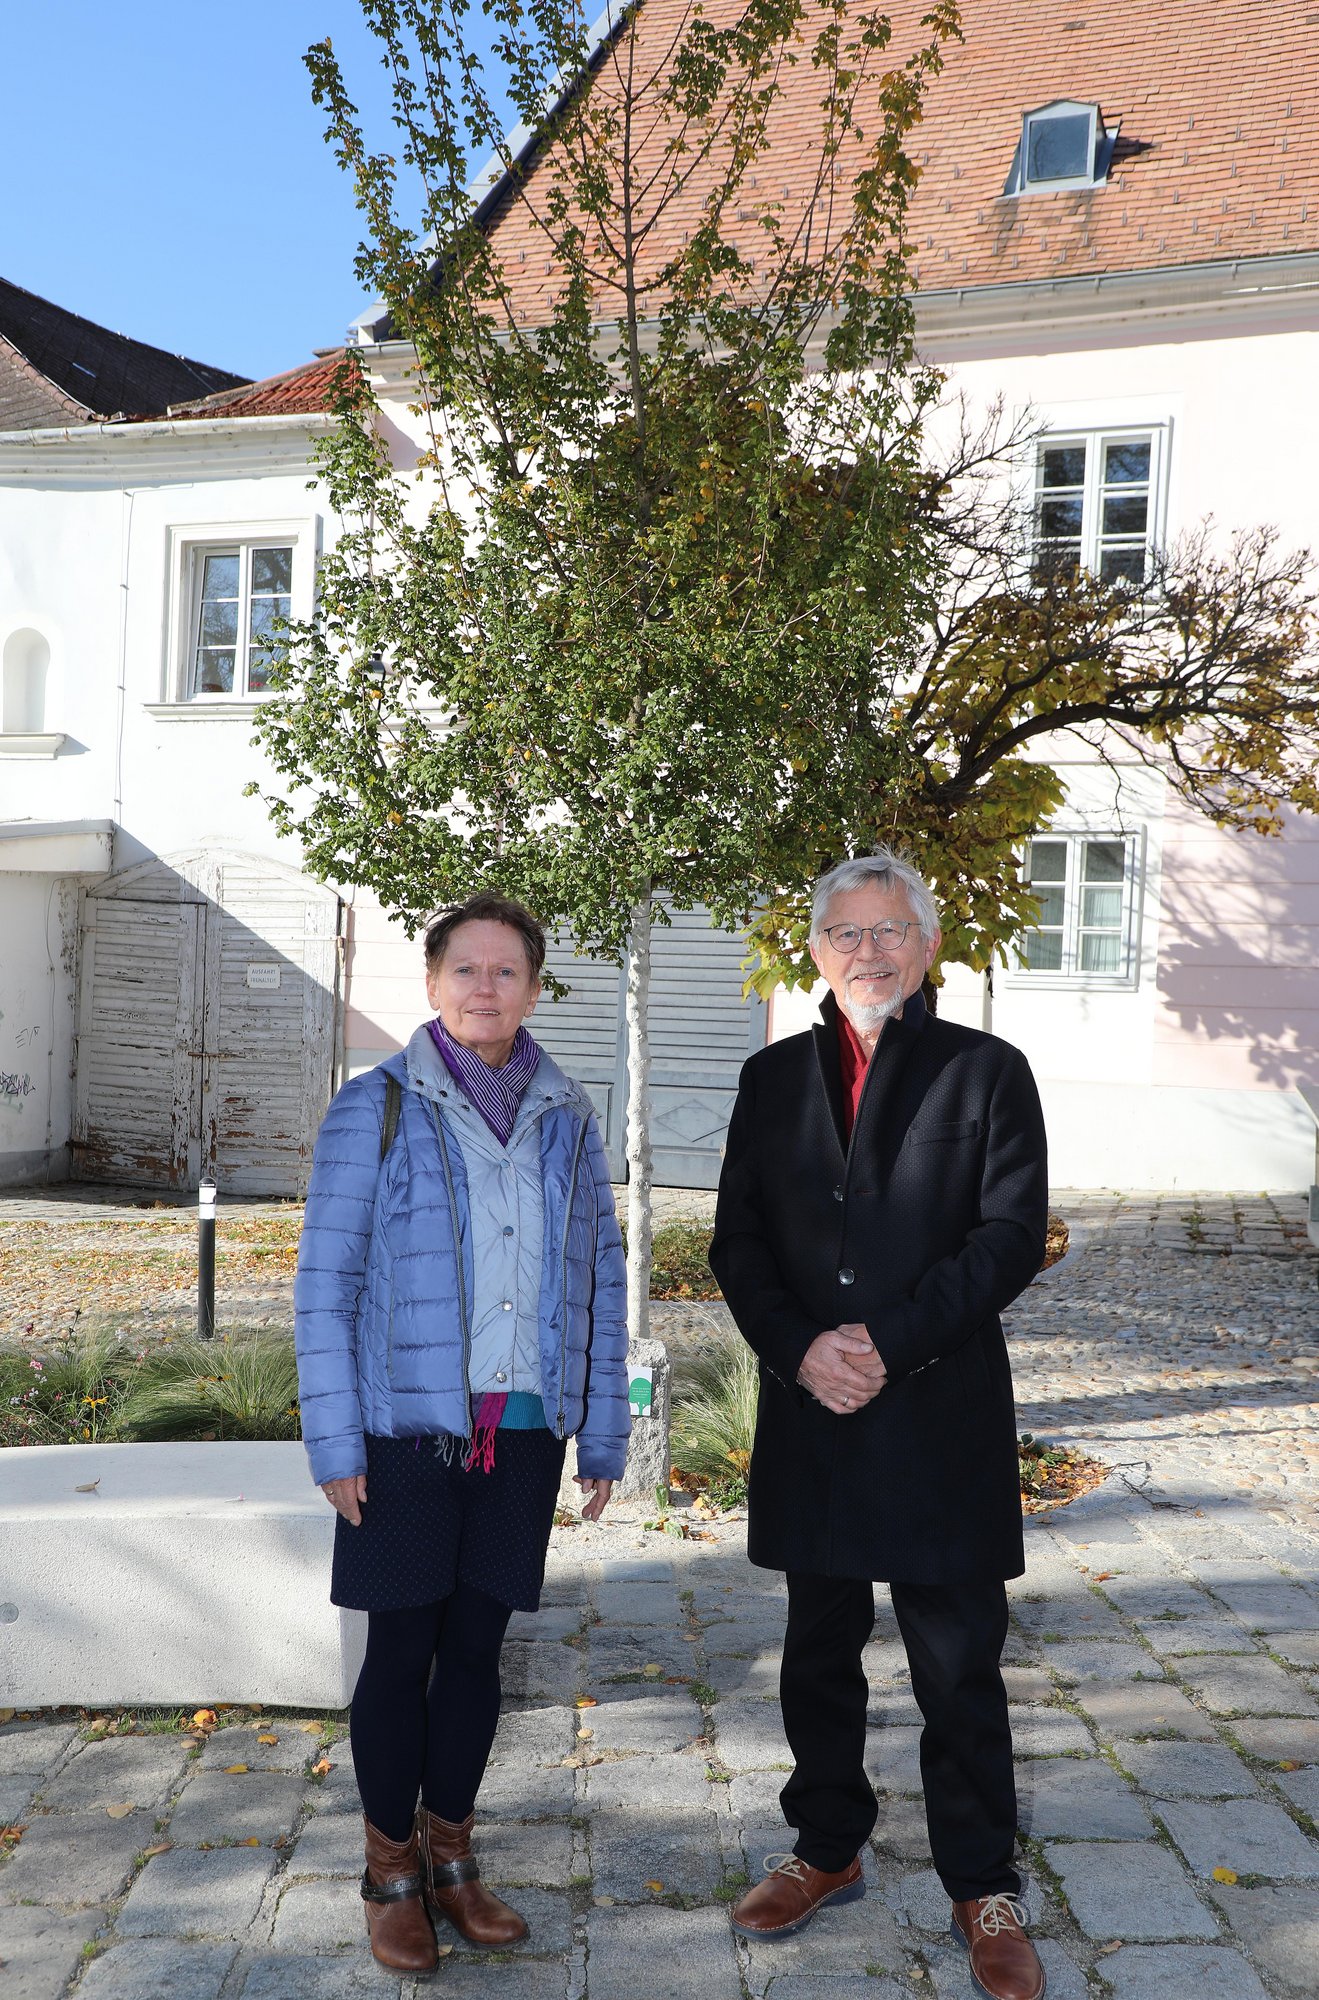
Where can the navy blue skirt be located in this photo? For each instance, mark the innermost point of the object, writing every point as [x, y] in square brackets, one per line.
[427, 1525]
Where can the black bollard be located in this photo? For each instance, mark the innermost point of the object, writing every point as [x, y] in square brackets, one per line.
[206, 1260]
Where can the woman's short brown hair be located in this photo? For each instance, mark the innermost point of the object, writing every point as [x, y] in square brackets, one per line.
[486, 907]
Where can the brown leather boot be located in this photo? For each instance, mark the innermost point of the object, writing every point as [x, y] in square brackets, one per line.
[454, 1888]
[396, 1922]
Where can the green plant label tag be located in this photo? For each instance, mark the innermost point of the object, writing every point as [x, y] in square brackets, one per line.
[641, 1392]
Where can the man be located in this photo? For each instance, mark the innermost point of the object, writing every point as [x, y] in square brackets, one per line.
[883, 1198]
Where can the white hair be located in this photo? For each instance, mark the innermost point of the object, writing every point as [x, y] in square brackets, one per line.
[886, 869]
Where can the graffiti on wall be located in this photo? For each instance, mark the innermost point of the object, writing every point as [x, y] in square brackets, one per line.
[15, 1086]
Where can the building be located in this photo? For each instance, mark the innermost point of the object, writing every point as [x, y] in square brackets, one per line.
[1117, 228]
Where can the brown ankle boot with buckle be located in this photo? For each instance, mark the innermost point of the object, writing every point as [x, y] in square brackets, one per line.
[1004, 1962]
[454, 1888]
[396, 1922]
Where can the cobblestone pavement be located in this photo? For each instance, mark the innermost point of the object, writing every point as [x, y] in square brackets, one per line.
[1163, 1667]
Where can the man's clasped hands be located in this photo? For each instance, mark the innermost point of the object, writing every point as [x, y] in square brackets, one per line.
[842, 1369]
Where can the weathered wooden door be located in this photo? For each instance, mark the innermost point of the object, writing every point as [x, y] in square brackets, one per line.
[701, 1032]
[206, 1025]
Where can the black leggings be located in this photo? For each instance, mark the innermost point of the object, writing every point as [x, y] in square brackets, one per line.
[417, 1730]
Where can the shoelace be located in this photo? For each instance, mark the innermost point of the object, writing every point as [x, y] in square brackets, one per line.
[1000, 1913]
[786, 1864]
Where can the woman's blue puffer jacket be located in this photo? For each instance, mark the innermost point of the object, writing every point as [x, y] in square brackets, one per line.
[382, 1294]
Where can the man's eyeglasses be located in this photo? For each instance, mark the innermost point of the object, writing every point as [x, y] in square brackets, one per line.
[891, 936]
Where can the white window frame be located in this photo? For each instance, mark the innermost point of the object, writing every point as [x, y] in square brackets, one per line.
[1071, 974]
[1102, 140]
[1094, 438]
[188, 548]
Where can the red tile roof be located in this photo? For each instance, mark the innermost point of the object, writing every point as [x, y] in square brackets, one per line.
[1218, 154]
[298, 392]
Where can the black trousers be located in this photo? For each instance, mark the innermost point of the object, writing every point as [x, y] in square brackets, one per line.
[954, 1636]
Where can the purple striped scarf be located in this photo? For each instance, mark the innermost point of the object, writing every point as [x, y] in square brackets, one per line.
[496, 1093]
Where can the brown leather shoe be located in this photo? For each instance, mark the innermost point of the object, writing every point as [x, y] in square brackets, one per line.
[790, 1894]
[1004, 1962]
[454, 1888]
[396, 1921]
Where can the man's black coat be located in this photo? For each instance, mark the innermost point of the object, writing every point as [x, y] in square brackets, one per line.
[923, 1229]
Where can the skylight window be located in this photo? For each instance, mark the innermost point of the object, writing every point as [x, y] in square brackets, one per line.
[1062, 145]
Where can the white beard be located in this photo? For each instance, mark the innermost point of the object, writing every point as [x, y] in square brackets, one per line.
[866, 1018]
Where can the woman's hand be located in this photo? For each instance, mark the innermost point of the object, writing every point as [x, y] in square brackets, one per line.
[347, 1497]
[598, 1491]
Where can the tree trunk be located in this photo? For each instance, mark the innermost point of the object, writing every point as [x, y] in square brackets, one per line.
[639, 1227]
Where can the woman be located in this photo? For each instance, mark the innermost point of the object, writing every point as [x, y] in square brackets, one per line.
[460, 1313]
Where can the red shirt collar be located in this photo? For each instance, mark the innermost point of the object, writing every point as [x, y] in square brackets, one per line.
[855, 1062]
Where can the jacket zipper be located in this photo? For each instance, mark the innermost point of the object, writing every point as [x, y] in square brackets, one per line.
[563, 1273]
[458, 1267]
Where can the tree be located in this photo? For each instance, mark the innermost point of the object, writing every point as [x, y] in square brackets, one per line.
[652, 550]
[685, 606]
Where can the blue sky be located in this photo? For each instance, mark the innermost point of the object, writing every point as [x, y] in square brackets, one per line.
[166, 174]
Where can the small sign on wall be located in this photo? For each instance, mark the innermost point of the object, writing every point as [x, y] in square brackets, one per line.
[641, 1391]
[264, 976]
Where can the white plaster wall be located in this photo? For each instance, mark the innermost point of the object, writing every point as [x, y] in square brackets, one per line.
[39, 914]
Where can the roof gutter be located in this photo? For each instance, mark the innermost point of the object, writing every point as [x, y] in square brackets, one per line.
[170, 428]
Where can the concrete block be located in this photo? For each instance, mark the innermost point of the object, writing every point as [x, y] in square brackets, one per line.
[212, 1565]
[1284, 1740]
[1077, 1798]
[1246, 1835]
[629, 1601]
[664, 1954]
[42, 1949]
[1301, 1648]
[1048, 1732]
[514, 1854]
[217, 1807]
[537, 1735]
[187, 1893]
[632, 1848]
[1302, 1788]
[841, 1942]
[74, 1860]
[1173, 1971]
[1174, 1639]
[651, 1723]
[1279, 1926]
[15, 1798]
[749, 1736]
[151, 1969]
[329, 1844]
[1133, 1709]
[1247, 1686]
[1130, 1890]
[951, 1973]
[136, 1770]
[355, 1977]
[648, 1452]
[893, 1760]
[520, 1979]
[320, 1917]
[1075, 1660]
[240, 1743]
[1187, 1770]
[640, 1783]
[33, 1747]
[536, 1673]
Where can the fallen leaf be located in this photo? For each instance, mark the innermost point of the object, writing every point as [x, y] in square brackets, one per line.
[12, 1834]
[321, 1768]
[1225, 1874]
[119, 1811]
[652, 1670]
[251, 1841]
[6, 1715]
[268, 1737]
[1105, 1575]
[604, 1902]
[583, 1734]
[90, 1487]
[586, 1701]
[443, 1950]
[161, 1847]
[233, 1770]
[1114, 1944]
[1289, 1764]
[204, 1719]
[310, 1728]
[655, 1887]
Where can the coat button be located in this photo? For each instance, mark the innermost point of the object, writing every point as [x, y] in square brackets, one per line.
[508, 1229]
[508, 1305]
[500, 1376]
[838, 1194]
[847, 1275]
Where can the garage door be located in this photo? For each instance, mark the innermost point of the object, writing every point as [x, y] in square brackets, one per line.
[206, 1025]
[701, 1029]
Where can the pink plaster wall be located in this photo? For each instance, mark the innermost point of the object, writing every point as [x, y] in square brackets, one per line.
[1238, 986]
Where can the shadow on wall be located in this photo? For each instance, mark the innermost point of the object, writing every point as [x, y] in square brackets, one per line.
[1239, 960]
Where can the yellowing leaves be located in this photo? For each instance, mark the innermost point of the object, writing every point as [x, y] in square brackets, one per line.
[119, 1811]
[234, 1770]
[1222, 1874]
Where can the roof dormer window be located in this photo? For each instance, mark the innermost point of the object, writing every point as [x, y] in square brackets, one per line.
[1062, 145]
